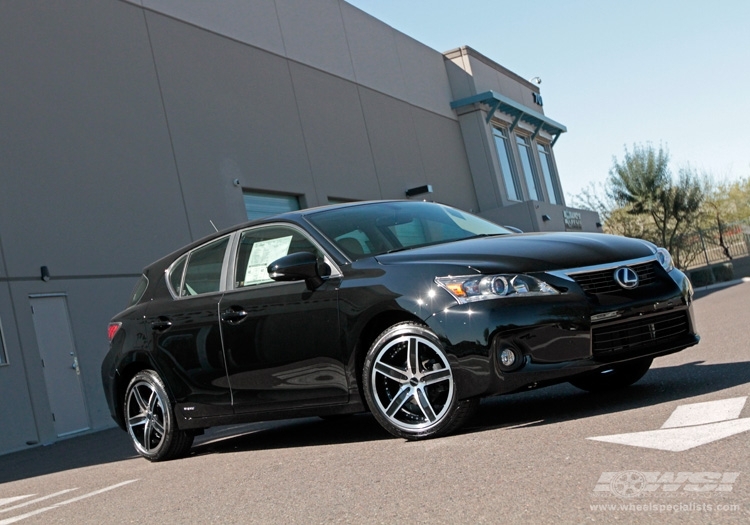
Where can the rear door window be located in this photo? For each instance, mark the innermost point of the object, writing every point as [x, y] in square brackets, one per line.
[200, 271]
[175, 275]
[204, 268]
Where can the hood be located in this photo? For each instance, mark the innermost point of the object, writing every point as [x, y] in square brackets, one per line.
[532, 252]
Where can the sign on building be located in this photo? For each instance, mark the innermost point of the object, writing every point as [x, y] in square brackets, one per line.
[572, 220]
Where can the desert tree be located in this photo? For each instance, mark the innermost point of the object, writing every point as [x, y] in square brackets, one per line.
[642, 185]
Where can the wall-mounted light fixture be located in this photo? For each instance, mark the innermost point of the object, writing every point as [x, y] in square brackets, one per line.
[546, 218]
[45, 273]
[427, 188]
[598, 224]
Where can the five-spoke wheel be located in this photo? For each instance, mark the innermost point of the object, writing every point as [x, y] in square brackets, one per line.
[150, 420]
[409, 384]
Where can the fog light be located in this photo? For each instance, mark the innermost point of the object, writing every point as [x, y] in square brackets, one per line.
[507, 357]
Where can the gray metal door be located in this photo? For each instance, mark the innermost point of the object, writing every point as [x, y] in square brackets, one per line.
[60, 363]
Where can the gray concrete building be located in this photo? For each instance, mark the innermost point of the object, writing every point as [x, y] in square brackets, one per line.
[130, 127]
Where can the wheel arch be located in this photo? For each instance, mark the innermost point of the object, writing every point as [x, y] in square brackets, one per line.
[374, 327]
[125, 373]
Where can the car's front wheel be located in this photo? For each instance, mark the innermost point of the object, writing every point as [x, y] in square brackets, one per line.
[617, 376]
[409, 384]
[150, 419]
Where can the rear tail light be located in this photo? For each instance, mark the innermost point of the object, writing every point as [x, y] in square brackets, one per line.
[112, 330]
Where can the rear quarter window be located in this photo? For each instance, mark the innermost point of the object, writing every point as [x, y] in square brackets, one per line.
[138, 291]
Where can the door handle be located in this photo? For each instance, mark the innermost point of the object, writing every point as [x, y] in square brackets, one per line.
[75, 366]
[161, 324]
[233, 315]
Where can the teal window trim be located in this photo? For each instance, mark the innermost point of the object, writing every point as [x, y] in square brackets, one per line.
[519, 112]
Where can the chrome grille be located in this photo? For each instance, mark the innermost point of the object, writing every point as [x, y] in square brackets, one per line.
[642, 332]
[603, 281]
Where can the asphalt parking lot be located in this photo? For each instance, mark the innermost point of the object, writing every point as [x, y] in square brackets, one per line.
[675, 447]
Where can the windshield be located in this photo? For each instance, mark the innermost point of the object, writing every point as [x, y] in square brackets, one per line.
[384, 227]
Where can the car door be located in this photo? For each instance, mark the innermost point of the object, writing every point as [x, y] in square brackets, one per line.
[281, 340]
[187, 335]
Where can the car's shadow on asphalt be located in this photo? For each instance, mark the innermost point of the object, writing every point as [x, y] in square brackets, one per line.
[545, 406]
[559, 403]
[99, 448]
[291, 433]
[565, 402]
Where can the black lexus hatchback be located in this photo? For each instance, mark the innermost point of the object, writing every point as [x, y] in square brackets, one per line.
[410, 310]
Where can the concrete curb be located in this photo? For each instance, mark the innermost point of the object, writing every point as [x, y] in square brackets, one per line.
[722, 285]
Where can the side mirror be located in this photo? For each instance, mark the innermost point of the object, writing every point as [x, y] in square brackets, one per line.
[298, 267]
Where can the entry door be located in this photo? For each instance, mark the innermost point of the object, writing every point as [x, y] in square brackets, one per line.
[282, 347]
[281, 340]
[60, 363]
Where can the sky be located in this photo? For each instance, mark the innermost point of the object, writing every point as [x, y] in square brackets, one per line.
[669, 73]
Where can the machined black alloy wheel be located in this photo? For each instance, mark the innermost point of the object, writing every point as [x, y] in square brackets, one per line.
[150, 420]
[409, 384]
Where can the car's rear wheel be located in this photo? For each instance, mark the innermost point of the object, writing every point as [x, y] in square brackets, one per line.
[409, 384]
[614, 377]
[149, 418]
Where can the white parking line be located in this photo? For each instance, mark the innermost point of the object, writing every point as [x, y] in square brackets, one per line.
[37, 500]
[66, 502]
[5, 501]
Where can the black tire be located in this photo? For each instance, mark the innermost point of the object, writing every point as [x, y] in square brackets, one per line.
[409, 385]
[149, 418]
[613, 378]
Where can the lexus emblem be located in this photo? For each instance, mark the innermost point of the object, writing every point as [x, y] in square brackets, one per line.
[626, 277]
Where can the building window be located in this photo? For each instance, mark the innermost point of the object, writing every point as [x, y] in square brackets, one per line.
[503, 153]
[548, 170]
[259, 205]
[336, 200]
[3, 355]
[527, 162]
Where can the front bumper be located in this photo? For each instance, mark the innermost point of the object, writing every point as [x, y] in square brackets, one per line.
[558, 337]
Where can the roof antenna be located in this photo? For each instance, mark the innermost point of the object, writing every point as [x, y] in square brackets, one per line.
[212, 224]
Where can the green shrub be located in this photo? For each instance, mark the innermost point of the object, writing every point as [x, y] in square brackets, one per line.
[717, 273]
[723, 272]
[702, 277]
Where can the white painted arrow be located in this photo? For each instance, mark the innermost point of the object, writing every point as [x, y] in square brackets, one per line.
[690, 426]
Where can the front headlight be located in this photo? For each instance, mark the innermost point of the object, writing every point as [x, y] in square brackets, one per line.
[662, 255]
[469, 288]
